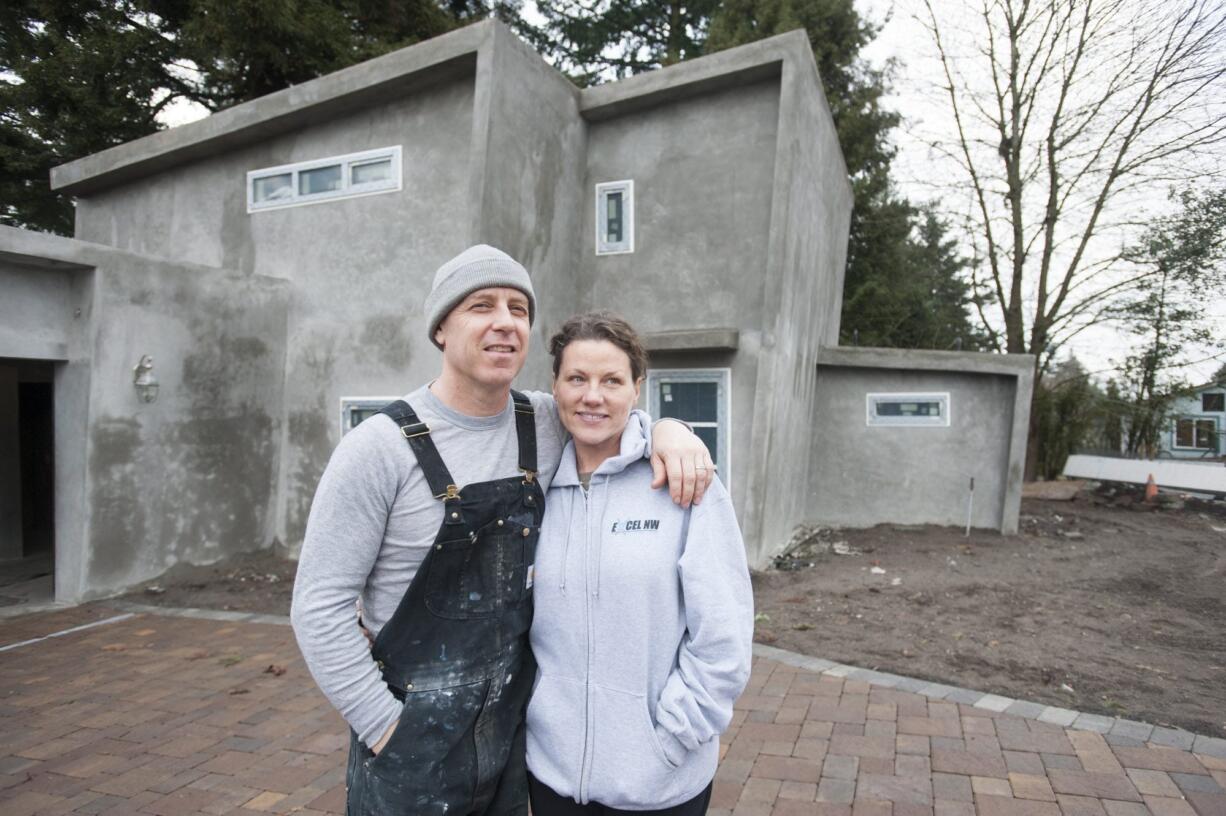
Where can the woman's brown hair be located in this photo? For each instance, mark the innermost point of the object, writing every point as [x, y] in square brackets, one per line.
[600, 326]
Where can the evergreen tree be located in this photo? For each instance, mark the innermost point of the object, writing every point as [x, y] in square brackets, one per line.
[75, 78]
[79, 77]
[601, 39]
[245, 49]
[1069, 408]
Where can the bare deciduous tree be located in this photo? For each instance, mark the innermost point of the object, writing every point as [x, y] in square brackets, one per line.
[1065, 113]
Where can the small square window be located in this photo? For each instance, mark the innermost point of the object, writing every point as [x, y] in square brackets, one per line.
[614, 217]
[1213, 402]
[907, 409]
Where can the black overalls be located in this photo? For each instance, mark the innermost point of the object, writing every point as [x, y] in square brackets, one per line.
[456, 649]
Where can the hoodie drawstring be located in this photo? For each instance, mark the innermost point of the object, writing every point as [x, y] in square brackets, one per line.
[600, 533]
[570, 525]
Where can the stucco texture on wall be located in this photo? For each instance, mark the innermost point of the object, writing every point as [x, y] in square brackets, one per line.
[189, 477]
[811, 212]
[865, 475]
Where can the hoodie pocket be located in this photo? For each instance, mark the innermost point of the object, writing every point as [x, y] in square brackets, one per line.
[629, 766]
[556, 716]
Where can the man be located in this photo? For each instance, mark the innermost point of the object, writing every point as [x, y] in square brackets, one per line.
[428, 513]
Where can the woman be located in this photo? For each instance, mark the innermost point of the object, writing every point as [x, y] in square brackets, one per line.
[644, 612]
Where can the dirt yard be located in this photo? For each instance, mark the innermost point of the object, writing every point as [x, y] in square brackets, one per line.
[1102, 604]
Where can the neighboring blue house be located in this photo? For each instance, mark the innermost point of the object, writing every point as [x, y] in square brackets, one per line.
[1198, 424]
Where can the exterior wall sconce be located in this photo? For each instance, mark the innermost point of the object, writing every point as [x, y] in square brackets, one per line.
[144, 381]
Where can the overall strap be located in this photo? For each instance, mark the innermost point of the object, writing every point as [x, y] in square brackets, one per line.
[525, 431]
[417, 434]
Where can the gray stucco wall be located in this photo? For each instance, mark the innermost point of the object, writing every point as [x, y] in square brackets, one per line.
[35, 310]
[360, 267]
[190, 477]
[703, 170]
[864, 475]
[527, 169]
[811, 212]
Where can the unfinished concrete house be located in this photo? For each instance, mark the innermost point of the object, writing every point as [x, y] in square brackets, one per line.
[242, 289]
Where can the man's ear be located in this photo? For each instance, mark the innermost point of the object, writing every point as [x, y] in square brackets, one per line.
[438, 334]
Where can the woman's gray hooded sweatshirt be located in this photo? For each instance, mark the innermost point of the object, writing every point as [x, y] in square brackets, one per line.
[643, 633]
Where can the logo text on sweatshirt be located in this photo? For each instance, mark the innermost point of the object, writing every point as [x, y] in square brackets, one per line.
[635, 525]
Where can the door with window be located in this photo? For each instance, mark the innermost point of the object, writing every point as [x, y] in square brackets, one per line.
[700, 397]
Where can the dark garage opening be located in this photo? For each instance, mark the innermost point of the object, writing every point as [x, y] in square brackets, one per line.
[27, 481]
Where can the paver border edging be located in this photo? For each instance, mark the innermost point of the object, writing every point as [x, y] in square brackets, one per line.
[1124, 731]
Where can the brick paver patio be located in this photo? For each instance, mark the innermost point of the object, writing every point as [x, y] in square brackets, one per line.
[169, 715]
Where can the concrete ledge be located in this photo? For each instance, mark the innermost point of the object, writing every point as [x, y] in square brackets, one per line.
[55, 252]
[726, 69]
[964, 362]
[693, 340]
[443, 58]
[18, 344]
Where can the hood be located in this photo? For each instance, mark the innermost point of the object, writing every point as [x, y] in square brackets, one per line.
[635, 437]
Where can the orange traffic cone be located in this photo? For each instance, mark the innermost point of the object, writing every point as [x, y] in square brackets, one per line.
[1151, 489]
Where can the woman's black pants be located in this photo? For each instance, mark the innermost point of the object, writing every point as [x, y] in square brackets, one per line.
[547, 802]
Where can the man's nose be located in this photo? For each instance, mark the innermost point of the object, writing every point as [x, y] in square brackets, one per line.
[502, 317]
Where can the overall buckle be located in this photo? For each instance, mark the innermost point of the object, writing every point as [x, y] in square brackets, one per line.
[416, 429]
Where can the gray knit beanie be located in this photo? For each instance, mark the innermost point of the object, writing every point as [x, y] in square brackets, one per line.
[478, 267]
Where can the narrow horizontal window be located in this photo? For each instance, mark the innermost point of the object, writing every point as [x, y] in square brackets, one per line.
[1213, 402]
[909, 409]
[614, 217]
[327, 179]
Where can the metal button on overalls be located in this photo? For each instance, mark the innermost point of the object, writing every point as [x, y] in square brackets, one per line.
[456, 648]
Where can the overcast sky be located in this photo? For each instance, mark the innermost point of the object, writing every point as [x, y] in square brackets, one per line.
[902, 38]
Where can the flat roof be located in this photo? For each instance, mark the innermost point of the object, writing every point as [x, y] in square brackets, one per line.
[965, 362]
[441, 59]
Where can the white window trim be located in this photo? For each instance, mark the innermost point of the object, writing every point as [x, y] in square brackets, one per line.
[722, 376]
[358, 402]
[626, 187]
[874, 421]
[1194, 418]
[347, 162]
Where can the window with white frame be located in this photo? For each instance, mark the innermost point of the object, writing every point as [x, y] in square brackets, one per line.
[909, 409]
[700, 397]
[614, 217]
[1195, 433]
[356, 409]
[309, 182]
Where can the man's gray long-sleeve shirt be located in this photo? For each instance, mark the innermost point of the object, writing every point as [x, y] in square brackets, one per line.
[371, 524]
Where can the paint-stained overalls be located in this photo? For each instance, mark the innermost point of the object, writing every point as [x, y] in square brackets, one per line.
[456, 649]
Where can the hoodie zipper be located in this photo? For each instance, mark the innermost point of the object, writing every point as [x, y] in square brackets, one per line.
[585, 763]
